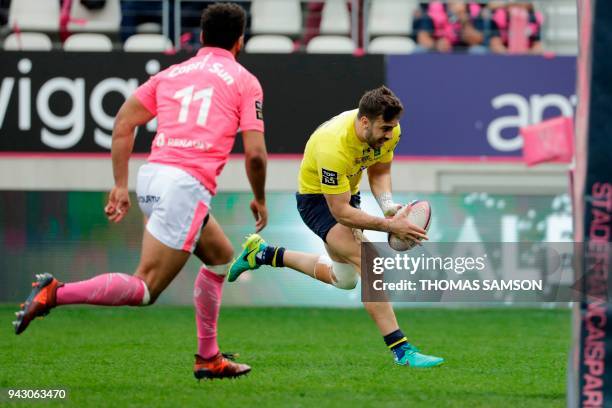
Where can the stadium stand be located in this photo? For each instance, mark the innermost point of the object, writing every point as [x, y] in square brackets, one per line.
[560, 29]
[149, 28]
[34, 15]
[88, 42]
[270, 43]
[335, 18]
[298, 20]
[391, 45]
[276, 17]
[331, 44]
[390, 17]
[106, 19]
[147, 43]
[27, 42]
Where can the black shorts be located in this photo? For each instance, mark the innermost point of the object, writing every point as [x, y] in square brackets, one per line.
[315, 213]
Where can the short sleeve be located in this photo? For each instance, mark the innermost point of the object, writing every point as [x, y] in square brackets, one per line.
[147, 94]
[251, 106]
[387, 157]
[332, 174]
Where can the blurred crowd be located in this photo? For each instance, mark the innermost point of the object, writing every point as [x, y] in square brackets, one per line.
[458, 25]
[497, 26]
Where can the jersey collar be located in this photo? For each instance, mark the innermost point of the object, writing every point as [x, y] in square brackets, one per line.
[221, 52]
[352, 138]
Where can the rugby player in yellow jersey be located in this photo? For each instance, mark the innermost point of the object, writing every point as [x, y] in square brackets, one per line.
[328, 201]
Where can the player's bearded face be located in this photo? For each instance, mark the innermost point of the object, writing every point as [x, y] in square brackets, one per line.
[378, 132]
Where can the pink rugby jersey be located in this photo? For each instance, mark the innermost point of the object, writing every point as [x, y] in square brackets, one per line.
[200, 104]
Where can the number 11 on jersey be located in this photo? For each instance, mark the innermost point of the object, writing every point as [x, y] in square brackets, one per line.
[187, 96]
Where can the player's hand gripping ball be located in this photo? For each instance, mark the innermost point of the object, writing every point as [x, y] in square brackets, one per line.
[418, 213]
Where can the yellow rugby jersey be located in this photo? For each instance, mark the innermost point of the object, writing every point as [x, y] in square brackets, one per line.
[334, 159]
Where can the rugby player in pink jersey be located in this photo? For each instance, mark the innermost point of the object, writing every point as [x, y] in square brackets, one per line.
[200, 104]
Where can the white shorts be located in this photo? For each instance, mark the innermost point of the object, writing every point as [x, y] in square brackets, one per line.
[175, 203]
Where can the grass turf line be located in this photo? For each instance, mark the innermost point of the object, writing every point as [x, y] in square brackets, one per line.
[300, 357]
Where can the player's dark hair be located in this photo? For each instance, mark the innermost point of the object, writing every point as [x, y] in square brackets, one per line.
[380, 101]
[222, 25]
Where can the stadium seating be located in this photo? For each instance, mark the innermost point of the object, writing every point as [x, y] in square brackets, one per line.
[147, 43]
[88, 42]
[106, 20]
[27, 42]
[391, 17]
[276, 17]
[272, 44]
[391, 45]
[35, 15]
[560, 28]
[335, 18]
[330, 44]
[149, 28]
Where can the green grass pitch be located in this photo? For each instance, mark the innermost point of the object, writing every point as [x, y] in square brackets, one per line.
[300, 357]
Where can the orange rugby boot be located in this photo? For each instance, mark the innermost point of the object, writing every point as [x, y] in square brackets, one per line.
[39, 303]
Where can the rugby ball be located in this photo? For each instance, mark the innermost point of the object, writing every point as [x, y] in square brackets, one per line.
[418, 213]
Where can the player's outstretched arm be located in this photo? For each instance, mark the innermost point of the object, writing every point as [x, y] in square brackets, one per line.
[379, 176]
[345, 214]
[256, 161]
[131, 114]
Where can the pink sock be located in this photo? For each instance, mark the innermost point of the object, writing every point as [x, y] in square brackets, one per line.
[109, 289]
[207, 295]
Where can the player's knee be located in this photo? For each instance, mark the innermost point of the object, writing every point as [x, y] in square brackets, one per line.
[145, 299]
[151, 295]
[346, 275]
[151, 289]
[341, 275]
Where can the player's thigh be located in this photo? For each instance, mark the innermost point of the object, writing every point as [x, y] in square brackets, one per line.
[159, 264]
[214, 247]
[343, 244]
[333, 254]
[175, 204]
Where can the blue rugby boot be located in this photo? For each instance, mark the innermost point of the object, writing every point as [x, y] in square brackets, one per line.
[408, 355]
[246, 260]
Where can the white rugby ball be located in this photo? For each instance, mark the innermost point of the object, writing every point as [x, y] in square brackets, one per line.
[418, 213]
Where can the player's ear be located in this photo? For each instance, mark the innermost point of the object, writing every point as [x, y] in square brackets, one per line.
[365, 122]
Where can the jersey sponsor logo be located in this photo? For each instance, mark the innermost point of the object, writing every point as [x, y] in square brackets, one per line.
[187, 68]
[329, 177]
[362, 168]
[148, 199]
[161, 140]
[259, 110]
[217, 69]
